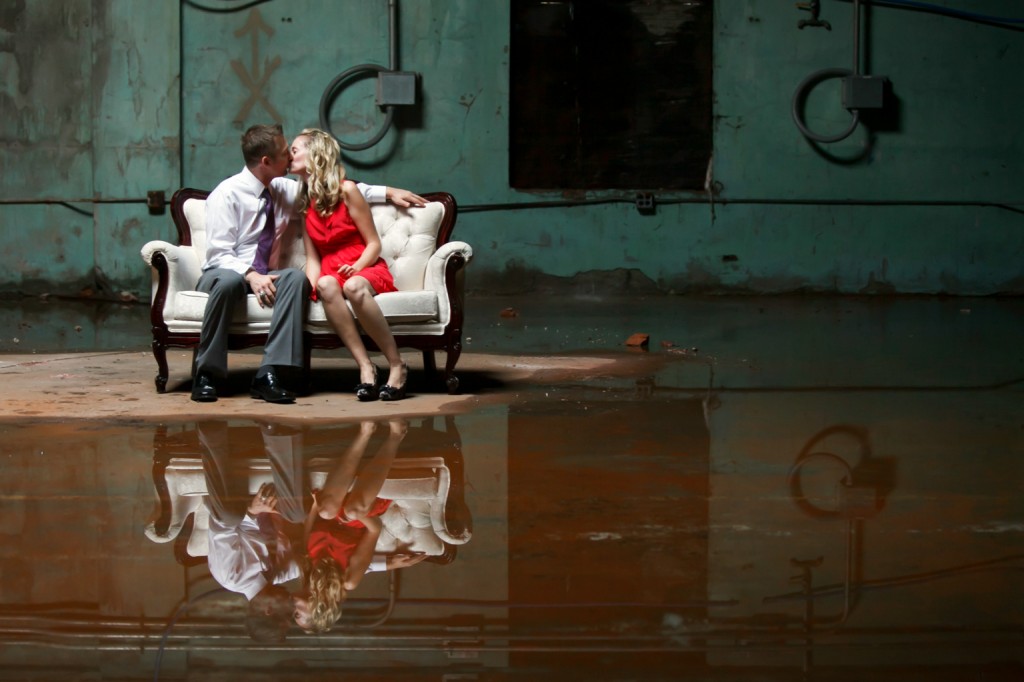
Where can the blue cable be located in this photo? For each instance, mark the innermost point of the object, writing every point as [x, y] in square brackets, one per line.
[959, 13]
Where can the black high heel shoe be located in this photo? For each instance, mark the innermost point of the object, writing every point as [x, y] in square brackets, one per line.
[368, 392]
[389, 392]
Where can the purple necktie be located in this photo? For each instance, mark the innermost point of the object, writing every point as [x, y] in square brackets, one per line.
[259, 264]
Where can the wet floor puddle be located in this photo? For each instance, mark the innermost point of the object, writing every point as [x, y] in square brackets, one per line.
[616, 532]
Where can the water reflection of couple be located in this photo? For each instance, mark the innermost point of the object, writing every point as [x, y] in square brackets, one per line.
[253, 540]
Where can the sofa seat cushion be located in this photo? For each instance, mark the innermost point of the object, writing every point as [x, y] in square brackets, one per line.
[399, 307]
[191, 305]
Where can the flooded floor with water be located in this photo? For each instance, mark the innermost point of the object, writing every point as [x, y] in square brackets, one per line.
[771, 489]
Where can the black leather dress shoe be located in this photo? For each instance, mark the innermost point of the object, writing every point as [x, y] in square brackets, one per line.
[203, 390]
[268, 387]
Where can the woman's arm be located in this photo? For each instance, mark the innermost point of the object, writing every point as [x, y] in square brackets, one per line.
[363, 553]
[312, 259]
[314, 512]
[361, 216]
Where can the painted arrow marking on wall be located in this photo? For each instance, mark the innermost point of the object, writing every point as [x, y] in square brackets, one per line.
[253, 80]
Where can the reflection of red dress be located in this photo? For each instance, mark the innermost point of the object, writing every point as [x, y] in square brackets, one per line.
[338, 242]
[338, 539]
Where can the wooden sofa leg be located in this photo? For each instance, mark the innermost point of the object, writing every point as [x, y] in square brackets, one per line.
[160, 353]
[451, 381]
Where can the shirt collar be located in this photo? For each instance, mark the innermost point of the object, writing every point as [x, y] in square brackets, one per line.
[251, 182]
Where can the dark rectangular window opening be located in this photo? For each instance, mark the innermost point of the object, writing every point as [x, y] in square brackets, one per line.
[610, 94]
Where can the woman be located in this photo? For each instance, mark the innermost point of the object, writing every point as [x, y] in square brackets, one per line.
[343, 260]
[344, 524]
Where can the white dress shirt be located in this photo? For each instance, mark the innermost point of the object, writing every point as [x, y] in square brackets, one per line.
[240, 556]
[234, 217]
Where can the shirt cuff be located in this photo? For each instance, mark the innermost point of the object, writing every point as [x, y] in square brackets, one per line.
[378, 563]
[375, 194]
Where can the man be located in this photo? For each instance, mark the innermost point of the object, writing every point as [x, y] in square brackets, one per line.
[246, 215]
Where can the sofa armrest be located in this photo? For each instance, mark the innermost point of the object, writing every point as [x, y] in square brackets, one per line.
[452, 534]
[157, 246]
[166, 529]
[175, 267]
[455, 254]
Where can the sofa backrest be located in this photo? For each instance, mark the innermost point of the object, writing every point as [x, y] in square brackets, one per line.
[408, 238]
[195, 216]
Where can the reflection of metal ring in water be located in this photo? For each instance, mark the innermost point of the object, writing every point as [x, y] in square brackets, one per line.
[331, 92]
[796, 488]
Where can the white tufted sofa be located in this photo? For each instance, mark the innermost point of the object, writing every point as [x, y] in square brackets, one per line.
[415, 523]
[426, 312]
[428, 515]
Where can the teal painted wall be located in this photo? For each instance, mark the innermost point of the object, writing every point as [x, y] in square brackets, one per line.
[88, 116]
[108, 99]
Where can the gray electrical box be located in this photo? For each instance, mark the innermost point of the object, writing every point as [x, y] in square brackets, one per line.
[864, 92]
[396, 88]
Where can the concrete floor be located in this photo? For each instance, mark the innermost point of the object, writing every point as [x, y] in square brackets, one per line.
[777, 489]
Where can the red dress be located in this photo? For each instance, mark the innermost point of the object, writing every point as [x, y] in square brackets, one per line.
[338, 539]
[338, 242]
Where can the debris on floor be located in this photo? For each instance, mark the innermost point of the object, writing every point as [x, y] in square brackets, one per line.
[638, 340]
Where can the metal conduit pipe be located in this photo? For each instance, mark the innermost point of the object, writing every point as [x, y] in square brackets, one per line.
[795, 640]
[761, 631]
[335, 86]
[753, 631]
[805, 86]
[1014, 207]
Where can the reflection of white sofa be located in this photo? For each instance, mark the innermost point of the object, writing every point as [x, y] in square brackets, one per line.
[416, 522]
[425, 313]
[429, 512]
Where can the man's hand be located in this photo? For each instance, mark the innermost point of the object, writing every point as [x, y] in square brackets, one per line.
[404, 560]
[263, 286]
[403, 198]
[265, 501]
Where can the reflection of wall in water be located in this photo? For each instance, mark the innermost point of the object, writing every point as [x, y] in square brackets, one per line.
[74, 498]
[945, 469]
[607, 505]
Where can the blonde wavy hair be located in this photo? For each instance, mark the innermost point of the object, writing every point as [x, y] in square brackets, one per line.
[325, 581]
[322, 188]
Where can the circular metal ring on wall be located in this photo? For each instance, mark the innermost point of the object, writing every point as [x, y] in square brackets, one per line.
[332, 91]
[800, 95]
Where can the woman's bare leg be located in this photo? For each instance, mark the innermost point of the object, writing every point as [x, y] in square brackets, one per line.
[340, 478]
[344, 325]
[361, 295]
[371, 477]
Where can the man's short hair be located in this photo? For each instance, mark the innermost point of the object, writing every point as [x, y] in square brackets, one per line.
[259, 141]
[270, 614]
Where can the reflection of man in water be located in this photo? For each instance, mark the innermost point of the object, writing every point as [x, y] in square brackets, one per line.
[250, 550]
